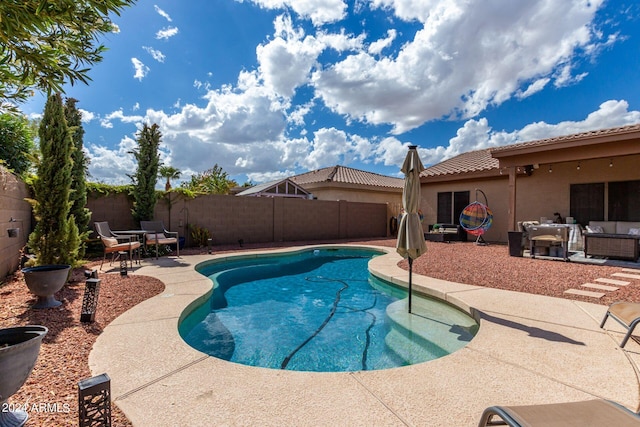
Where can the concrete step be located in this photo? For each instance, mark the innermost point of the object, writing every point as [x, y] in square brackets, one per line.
[600, 287]
[613, 282]
[627, 275]
[584, 293]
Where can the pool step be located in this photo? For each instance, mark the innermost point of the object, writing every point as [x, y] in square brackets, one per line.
[431, 331]
[412, 350]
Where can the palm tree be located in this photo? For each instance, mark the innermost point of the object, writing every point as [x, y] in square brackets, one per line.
[168, 172]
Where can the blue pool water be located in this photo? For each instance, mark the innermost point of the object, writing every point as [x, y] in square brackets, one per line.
[319, 310]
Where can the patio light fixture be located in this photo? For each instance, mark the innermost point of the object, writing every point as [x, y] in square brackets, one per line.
[610, 163]
[550, 170]
[578, 168]
[94, 401]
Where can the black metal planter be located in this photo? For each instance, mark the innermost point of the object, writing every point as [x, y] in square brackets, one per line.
[19, 348]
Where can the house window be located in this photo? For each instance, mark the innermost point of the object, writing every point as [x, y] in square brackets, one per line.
[587, 202]
[451, 205]
[624, 201]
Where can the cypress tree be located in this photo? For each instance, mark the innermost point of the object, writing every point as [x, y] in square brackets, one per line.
[55, 238]
[78, 194]
[146, 176]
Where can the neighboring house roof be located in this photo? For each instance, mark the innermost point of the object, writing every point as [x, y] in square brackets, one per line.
[278, 188]
[345, 175]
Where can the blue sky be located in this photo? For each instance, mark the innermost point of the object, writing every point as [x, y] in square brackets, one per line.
[272, 88]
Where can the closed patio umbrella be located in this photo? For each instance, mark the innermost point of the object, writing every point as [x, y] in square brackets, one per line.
[411, 243]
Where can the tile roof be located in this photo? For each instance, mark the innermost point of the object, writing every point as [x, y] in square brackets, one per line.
[573, 137]
[345, 175]
[472, 161]
[483, 160]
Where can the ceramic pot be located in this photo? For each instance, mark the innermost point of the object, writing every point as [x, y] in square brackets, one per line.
[19, 348]
[44, 281]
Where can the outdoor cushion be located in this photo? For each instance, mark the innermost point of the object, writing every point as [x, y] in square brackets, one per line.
[110, 241]
[634, 231]
[594, 229]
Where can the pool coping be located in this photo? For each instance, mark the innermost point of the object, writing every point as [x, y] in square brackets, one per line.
[529, 349]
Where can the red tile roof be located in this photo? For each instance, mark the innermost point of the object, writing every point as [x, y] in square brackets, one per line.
[472, 161]
[345, 175]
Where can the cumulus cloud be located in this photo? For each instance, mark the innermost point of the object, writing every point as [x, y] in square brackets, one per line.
[318, 11]
[87, 116]
[478, 134]
[140, 69]
[497, 48]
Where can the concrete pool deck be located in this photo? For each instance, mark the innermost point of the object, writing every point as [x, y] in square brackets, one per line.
[529, 349]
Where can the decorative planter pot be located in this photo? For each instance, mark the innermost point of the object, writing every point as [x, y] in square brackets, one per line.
[44, 281]
[19, 348]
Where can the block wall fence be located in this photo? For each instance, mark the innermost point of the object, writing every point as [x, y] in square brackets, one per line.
[12, 207]
[252, 219]
[228, 218]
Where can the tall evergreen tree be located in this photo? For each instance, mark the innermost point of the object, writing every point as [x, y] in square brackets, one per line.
[146, 176]
[55, 238]
[78, 194]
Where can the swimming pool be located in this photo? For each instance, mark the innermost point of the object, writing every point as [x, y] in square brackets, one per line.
[318, 310]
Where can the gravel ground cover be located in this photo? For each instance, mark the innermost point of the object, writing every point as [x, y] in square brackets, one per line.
[64, 354]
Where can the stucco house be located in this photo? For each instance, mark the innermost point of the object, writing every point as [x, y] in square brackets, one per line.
[353, 185]
[590, 176]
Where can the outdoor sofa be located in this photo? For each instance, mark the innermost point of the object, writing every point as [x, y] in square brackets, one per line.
[446, 233]
[612, 239]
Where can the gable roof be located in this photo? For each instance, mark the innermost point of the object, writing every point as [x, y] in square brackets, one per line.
[279, 188]
[346, 175]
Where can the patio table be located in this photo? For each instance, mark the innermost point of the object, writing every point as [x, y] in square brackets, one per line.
[139, 235]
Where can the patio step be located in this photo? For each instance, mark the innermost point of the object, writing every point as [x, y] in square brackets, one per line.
[600, 287]
[627, 275]
[613, 282]
[631, 270]
[585, 293]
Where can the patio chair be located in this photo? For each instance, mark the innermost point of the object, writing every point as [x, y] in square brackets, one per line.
[625, 313]
[597, 412]
[115, 243]
[157, 235]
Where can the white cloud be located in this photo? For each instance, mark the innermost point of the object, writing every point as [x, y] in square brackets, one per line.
[319, 11]
[477, 134]
[162, 13]
[498, 48]
[285, 61]
[141, 70]
[136, 106]
[87, 116]
[534, 87]
[378, 46]
[166, 33]
[155, 54]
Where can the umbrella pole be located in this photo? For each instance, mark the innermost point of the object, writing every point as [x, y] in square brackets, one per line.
[410, 268]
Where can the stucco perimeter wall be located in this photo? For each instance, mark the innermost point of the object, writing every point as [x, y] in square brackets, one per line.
[12, 205]
[253, 219]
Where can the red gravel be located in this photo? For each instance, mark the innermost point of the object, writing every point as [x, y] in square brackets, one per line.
[63, 357]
